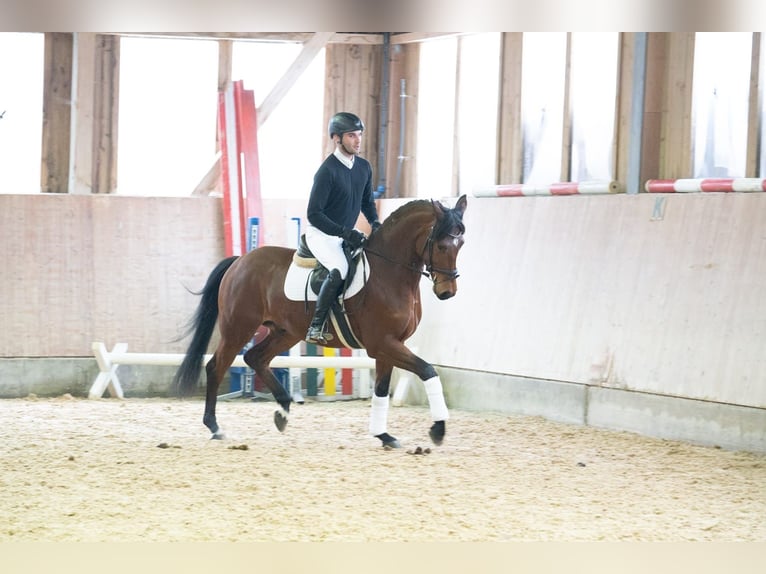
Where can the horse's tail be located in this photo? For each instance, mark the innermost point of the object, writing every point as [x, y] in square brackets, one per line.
[202, 325]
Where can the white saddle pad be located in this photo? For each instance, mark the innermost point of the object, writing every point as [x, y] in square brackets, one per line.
[296, 288]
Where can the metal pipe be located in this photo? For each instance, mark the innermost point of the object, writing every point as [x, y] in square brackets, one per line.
[635, 136]
[402, 125]
[385, 89]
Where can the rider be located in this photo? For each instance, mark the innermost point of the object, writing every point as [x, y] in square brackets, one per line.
[342, 189]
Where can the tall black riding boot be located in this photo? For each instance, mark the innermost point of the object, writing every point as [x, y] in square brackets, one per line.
[332, 284]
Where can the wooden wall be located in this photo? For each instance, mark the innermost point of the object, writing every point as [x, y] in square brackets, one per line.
[355, 75]
[78, 269]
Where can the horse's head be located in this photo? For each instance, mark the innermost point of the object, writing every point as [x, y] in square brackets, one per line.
[442, 245]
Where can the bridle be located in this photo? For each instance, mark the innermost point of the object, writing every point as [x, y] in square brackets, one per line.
[431, 271]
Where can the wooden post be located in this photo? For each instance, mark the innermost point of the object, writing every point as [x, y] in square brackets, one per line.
[509, 141]
[57, 99]
[676, 138]
[105, 113]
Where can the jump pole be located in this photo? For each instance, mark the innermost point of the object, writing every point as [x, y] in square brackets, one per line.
[109, 361]
[559, 188]
[717, 184]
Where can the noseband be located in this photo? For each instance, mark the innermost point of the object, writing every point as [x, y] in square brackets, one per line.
[451, 274]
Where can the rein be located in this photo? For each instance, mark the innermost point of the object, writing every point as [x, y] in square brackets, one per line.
[430, 269]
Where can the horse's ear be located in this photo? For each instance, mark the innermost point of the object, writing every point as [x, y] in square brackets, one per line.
[461, 204]
[439, 209]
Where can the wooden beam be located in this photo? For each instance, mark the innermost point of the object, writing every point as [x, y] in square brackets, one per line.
[654, 98]
[509, 140]
[412, 37]
[93, 158]
[57, 99]
[676, 136]
[310, 49]
[225, 57]
[370, 38]
[566, 136]
[211, 179]
[83, 95]
[106, 113]
[754, 110]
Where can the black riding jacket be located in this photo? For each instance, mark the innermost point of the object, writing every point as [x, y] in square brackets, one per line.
[339, 194]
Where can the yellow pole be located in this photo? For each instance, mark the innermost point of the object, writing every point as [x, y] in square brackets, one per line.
[329, 375]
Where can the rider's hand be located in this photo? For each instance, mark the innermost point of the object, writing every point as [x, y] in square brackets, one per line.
[353, 238]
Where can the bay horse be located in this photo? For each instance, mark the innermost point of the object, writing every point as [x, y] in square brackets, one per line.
[242, 293]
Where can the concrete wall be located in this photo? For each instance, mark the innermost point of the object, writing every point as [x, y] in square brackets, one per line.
[648, 306]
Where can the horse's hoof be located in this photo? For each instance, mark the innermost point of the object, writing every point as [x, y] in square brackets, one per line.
[437, 432]
[280, 419]
[217, 435]
[388, 441]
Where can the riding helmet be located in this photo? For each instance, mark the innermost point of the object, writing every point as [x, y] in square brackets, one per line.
[344, 122]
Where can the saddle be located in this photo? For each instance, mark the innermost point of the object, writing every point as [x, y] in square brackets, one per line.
[337, 316]
[303, 257]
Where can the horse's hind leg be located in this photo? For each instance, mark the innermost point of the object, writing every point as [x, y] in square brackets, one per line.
[216, 370]
[259, 357]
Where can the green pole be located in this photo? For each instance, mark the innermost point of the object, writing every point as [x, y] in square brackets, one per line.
[311, 374]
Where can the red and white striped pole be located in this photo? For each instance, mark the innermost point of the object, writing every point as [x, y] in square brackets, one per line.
[717, 184]
[559, 188]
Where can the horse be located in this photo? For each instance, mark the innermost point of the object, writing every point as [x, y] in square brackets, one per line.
[244, 293]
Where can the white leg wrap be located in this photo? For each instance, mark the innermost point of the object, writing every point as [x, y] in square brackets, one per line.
[435, 396]
[378, 415]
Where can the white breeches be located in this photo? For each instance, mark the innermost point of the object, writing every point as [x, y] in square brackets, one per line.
[327, 249]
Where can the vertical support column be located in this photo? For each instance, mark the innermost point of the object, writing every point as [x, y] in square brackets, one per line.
[636, 130]
[106, 113]
[93, 142]
[676, 134]
[509, 141]
[57, 109]
[566, 136]
[81, 157]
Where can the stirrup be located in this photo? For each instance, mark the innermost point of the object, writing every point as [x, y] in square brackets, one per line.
[316, 335]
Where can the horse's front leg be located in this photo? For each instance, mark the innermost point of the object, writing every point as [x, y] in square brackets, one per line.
[379, 408]
[398, 355]
[438, 406]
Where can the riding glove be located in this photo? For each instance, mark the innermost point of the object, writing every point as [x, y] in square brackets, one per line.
[353, 238]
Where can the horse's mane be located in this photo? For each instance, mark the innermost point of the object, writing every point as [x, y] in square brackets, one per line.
[452, 217]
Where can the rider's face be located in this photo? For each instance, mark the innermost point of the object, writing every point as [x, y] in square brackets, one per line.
[351, 142]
